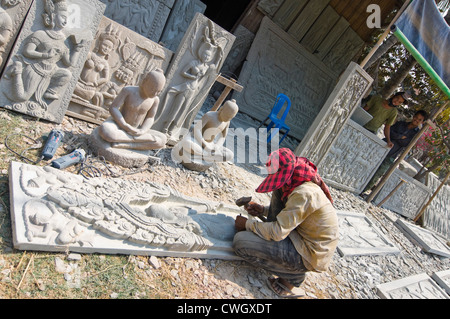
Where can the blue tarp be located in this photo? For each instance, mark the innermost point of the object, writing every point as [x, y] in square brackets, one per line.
[429, 33]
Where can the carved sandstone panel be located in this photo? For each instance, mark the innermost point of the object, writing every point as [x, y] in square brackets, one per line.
[338, 108]
[276, 63]
[179, 20]
[48, 57]
[353, 158]
[408, 199]
[119, 57]
[414, 287]
[437, 214]
[146, 17]
[359, 236]
[191, 74]
[54, 210]
[12, 15]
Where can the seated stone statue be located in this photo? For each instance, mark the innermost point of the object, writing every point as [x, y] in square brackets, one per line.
[204, 145]
[126, 137]
[132, 116]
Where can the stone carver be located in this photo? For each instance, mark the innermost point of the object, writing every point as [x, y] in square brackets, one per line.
[132, 116]
[204, 145]
[35, 71]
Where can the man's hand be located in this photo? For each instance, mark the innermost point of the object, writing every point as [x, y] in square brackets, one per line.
[254, 209]
[239, 223]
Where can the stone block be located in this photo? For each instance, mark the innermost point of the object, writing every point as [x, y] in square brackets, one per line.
[429, 241]
[118, 57]
[47, 59]
[358, 236]
[443, 279]
[277, 63]
[12, 15]
[420, 286]
[57, 211]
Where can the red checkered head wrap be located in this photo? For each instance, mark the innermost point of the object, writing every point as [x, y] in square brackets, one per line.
[286, 169]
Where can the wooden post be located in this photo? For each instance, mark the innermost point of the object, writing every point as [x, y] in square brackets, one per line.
[230, 84]
[385, 34]
[431, 198]
[413, 142]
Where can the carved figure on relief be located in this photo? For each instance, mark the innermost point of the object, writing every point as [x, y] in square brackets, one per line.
[97, 71]
[35, 72]
[178, 102]
[132, 116]
[6, 25]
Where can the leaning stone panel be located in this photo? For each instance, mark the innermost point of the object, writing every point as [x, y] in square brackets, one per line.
[428, 240]
[48, 57]
[359, 236]
[12, 15]
[409, 197]
[53, 210]
[191, 74]
[146, 17]
[336, 111]
[119, 57]
[414, 287]
[276, 63]
[353, 158]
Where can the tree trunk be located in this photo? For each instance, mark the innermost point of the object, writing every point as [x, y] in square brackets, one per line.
[387, 44]
[397, 78]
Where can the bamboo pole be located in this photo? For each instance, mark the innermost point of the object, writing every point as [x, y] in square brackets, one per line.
[413, 142]
[385, 34]
[431, 198]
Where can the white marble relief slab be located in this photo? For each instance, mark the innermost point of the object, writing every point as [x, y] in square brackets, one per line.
[146, 17]
[48, 57]
[409, 197]
[118, 57]
[12, 15]
[359, 236]
[274, 63]
[53, 210]
[443, 279]
[429, 241]
[414, 287]
[353, 158]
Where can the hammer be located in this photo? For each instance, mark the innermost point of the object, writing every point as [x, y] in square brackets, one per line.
[243, 201]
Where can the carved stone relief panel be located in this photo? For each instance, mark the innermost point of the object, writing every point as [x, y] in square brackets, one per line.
[12, 15]
[48, 57]
[443, 279]
[437, 214]
[359, 236]
[428, 240]
[191, 75]
[414, 287]
[276, 63]
[353, 158]
[53, 210]
[409, 197]
[179, 20]
[338, 108]
[146, 17]
[119, 57]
